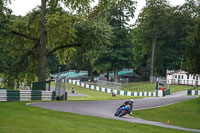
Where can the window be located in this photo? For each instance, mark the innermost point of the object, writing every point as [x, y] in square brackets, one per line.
[179, 76]
[193, 77]
[175, 76]
[187, 76]
[182, 76]
[196, 77]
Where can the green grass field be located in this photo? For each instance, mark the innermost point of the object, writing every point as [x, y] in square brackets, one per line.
[93, 94]
[16, 117]
[185, 114]
[150, 87]
[176, 88]
[139, 87]
[197, 88]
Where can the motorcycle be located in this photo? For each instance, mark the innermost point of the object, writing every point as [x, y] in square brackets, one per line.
[123, 111]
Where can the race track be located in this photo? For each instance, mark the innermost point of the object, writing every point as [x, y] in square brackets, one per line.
[106, 109]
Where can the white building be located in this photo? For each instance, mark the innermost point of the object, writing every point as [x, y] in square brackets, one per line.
[182, 77]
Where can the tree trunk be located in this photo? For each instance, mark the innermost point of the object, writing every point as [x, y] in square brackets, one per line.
[152, 56]
[91, 75]
[42, 47]
[107, 73]
[116, 73]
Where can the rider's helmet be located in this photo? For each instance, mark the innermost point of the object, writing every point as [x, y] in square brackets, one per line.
[131, 100]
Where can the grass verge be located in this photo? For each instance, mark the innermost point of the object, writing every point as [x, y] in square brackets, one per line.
[96, 95]
[93, 94]
[185, 114]
[176, 88]
[150, 87]
[139, 87]
[16, 117]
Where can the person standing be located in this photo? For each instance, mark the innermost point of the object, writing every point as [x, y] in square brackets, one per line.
[73, 90]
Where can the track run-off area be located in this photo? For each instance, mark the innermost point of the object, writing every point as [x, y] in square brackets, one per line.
[106, 109]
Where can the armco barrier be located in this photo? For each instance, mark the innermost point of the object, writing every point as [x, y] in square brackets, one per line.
[158, 93]
[26, 95]
[194, 92]
[3, 95]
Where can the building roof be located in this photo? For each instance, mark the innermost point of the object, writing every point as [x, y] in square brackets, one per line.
[171, 72]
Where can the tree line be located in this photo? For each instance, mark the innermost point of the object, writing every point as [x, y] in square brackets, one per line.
[98, 39]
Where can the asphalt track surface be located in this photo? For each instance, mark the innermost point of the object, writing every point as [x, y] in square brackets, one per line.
[106, 109]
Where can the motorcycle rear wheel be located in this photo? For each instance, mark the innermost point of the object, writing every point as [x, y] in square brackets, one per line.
[122, 114]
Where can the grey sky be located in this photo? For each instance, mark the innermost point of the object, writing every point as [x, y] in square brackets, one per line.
[21, 7]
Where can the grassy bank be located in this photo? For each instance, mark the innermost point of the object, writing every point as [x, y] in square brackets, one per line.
[137, 87]
[16, 117]
[185, 114]
[197, 88]
[150, 87]
[93, 94]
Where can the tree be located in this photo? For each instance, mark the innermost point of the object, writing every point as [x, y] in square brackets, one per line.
[96, 35]
[4, 28]
[43, 33]
[40, 42]
[193, 51]
[157, 9]
[3, 58]
[174, 24]
[150, 32]
[181, 24]
[118, 14]
[53, 64]
[30, 52]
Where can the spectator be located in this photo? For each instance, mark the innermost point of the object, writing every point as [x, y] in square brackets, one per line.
[113, 93]
[163, 88]
[73, 90]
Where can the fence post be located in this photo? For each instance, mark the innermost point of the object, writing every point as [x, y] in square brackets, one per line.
[65, 86]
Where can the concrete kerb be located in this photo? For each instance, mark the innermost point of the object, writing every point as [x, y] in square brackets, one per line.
[193, 92]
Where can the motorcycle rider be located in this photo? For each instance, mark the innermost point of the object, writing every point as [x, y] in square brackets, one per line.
[129, 102]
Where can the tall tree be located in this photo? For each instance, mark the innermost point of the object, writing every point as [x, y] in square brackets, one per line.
[97, 33]
[41, 40]
[151, 29]
[181, 24]
[30, 49]
[193, 51]
[4, 32]
[156, 9]
[174, 24]
[73, 4]
[42, 44]
[118, 14]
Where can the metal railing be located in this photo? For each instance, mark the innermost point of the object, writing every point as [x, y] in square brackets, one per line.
[61, 84]
[111, 85]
